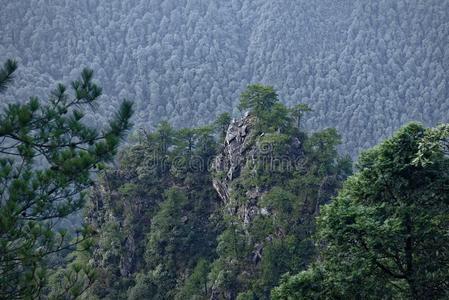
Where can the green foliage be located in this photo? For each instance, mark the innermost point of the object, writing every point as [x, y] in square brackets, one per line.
[283, 203]
[196, 285]
[48, 155]
[6, 74]
[222, 124]
[434, 144]
[72, 280]
[274, 200]
[231, 241]
[161, 202]
[277, 119]
[385, 235]
[308, 284]
[160, 205]
[248, 295]
[258, 98]
[144, 288]
[271, 115]
[167, 233]
[298, 111]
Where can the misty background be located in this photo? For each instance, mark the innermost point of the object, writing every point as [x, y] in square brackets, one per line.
[364, 67]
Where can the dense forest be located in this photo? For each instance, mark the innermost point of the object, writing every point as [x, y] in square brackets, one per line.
[165, 233]
[253, 208]
[239, 150]
[364, 67]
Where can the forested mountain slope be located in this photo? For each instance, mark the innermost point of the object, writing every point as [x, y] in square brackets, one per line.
[216, 212]
[365, 67]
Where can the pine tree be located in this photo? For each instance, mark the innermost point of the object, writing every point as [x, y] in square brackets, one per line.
[259, 99]
[47, 158]
[298, 111]
[222, 124]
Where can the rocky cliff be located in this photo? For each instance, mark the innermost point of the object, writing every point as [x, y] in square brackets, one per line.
[237, 149]
[271, 184]
[246, 150]
[170, 230]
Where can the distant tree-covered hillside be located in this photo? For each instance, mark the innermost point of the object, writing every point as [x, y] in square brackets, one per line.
[364, 66]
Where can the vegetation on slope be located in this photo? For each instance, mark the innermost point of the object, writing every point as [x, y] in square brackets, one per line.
[164, 233]
[385, 235]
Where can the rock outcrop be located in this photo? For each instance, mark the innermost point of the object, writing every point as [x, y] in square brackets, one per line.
[242, 151]
[229, 162]
[238, 149]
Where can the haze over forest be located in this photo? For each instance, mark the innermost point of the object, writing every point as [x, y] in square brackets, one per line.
[224, 150]
[364, 67]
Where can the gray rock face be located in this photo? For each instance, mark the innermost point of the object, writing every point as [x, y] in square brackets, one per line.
[239, 150]
[242, 150]
[229, 162]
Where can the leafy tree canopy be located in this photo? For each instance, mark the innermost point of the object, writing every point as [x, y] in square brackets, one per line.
[386, 234]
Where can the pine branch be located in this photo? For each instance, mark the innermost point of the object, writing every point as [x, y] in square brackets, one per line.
[6, 74]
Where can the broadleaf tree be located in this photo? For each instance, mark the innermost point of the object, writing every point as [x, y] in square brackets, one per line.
[386, 234]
